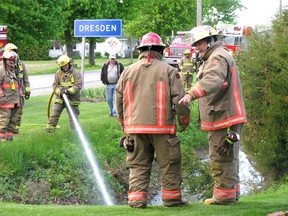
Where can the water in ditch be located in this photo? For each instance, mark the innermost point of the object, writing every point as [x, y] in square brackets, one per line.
[250, 179]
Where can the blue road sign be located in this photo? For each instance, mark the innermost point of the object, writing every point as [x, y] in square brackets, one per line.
[98, 28]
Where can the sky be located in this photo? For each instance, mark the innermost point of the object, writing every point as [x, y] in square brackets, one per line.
[259, 12]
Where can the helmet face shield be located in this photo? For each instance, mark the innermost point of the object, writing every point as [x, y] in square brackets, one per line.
[63, 60]
[10, 55]
[199, 33]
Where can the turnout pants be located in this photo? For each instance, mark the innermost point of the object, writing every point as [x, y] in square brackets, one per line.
[225, 168]
[8, 118]
[187, 80]
[19, 115]
[168, 155]
[56, 112]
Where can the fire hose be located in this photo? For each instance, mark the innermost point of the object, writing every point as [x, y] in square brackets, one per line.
[48, 112]
[49, 104]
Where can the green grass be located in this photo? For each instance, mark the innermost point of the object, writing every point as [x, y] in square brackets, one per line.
[50, 66]
[261, 204]
[34, 145]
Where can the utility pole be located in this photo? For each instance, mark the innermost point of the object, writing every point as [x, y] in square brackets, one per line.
[280, 7]
[199, 12]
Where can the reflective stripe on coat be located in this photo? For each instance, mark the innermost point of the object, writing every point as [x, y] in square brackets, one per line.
[147, 96]
[218, 90]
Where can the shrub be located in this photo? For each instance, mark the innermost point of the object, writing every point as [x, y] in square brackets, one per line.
[264, 78]
[98, 55]
[94, 93]
[34, 52]
[135, 53]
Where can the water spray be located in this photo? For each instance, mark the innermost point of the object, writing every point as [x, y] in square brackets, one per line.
[89, 154]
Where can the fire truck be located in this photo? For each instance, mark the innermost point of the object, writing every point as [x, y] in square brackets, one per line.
[175, 51]
[3, 39]
[234, 36]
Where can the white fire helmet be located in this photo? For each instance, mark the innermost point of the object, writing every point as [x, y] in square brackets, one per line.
[200, 32]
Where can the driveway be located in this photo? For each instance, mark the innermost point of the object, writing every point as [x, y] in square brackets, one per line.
[42, 84]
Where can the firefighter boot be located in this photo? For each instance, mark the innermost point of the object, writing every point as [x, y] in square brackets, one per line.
[138, 205]
[180, 204]
[210, 201]
[50, 129]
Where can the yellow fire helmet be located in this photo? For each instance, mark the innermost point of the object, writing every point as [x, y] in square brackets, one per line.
[63, 60]
[200, 32]
[10, 46]
[187, 51]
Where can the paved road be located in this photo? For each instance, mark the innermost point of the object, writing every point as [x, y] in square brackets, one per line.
[42, 84]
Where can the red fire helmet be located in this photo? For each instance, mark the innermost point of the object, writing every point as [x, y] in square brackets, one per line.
[150, 40]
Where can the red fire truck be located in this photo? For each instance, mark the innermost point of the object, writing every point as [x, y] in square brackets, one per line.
[3, 39]
[175, 51]
[234, 36]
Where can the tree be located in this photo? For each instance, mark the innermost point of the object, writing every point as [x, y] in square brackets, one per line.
[264, 78]
[31, 24]
[164, 16]
[86, 9]
[219, 10]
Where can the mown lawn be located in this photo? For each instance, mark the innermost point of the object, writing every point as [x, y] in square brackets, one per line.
[50, 66]
[257, 205]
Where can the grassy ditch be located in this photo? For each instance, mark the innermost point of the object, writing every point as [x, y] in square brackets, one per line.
[40, 168]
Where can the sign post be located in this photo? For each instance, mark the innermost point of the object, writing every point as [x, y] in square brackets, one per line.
[96, 28]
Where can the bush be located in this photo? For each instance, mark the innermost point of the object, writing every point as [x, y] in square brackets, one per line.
[98, 55]
[135, 53]
[264, 78]
[34, 52]
[94, 93]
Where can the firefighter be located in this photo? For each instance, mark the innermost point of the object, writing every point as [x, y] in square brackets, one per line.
[222, 112]
[147, 96]
[67, 81]
[187, 68]
[22, 75]
[10, 92]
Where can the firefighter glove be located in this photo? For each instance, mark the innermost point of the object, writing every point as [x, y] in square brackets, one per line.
[71, 90]
[64, 91]
[27, 95]
[2, 100]
[228, 143]
[127, 143]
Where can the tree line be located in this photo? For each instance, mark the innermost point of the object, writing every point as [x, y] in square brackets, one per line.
[33, 24]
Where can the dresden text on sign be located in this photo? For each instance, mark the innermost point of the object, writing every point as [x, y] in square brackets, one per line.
[98, 28]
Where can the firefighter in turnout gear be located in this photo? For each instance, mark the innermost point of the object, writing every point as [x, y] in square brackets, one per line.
[222, 112]
[22, 75]
[10, 93]
[147, 96]
[187, 67]
[67, 81]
